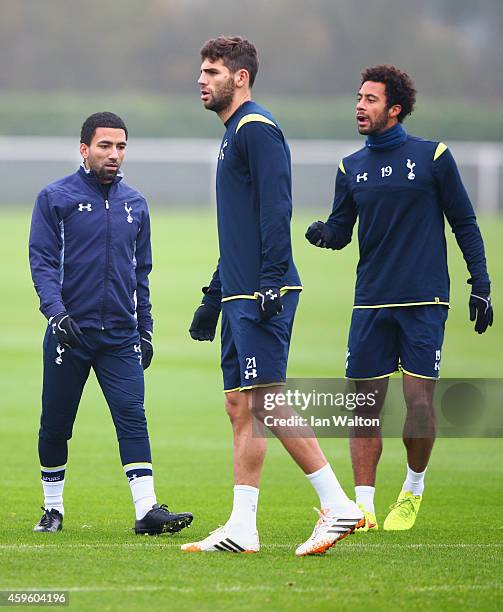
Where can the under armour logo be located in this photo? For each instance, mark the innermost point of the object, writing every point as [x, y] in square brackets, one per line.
[128, 210]
[411, 165]
[361, 177]
[137, 348]
[59, 358]
[83, 207]
[250, 373]
[272, 294]
[221, 155]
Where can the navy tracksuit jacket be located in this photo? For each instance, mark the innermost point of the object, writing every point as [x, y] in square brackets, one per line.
[90, 256]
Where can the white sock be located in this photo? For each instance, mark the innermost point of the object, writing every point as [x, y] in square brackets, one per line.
[142, 490]
[244, 508]
[53, 495]
[331, 494]
[365, 497]
[414, 482]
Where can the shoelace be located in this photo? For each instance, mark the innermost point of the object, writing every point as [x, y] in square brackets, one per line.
[46, 519]
[404, 506]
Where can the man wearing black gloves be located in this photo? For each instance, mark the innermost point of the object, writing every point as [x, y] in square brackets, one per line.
[400, 188]
[257, 287]
[90, 258]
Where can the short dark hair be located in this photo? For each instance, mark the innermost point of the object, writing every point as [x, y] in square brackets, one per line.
[104, 119]
[236, 52]
[400, 88]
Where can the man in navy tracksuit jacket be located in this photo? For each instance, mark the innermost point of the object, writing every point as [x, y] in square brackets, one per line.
[90, 258]
[400, 188]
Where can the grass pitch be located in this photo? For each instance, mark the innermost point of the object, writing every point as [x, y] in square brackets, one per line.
[452, 558]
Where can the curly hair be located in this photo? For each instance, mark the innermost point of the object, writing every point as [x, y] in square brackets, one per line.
[400, 88]
[236, 53]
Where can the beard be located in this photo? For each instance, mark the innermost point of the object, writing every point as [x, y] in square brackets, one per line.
[103, 174]
[222, 98]
[376, 126]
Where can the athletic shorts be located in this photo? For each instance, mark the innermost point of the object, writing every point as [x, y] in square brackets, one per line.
[383, 340]
[255, 352]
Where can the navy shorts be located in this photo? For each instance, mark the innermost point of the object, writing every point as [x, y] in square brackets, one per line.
[255, 352]
[383, 339]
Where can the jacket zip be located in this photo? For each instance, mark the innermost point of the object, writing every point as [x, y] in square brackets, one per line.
[107, 264]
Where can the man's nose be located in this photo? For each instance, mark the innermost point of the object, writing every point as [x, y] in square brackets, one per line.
[202, 80]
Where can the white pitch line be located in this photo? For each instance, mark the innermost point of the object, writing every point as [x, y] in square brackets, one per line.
[218, 588]
[156, 545]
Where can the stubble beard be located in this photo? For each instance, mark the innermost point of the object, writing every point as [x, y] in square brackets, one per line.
[222, 97]
[376, 126]
[103, 175]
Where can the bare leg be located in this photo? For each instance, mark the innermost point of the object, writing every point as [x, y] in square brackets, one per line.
[419, 428]
[366, 451]
[249, 451]
[304, 450]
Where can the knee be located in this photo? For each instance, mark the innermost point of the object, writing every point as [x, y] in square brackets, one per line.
[420, 407]
[236, 407]
[54, 436]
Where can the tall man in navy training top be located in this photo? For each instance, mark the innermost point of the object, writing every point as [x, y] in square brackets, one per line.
[90, 258]
[400, 188]
[257, 287]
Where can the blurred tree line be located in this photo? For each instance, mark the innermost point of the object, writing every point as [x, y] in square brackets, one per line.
[65, 49]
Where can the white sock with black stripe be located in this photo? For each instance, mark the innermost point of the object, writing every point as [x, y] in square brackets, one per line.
[141, 483]
[53, 483]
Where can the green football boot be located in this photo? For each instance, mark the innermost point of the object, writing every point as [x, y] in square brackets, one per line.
[403, 512]
[370, 521]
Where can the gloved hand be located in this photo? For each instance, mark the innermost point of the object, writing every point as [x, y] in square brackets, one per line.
[147, 347]
[204, 323]
[320, 234]
[269, 302]
[66, 330]
[481, 310]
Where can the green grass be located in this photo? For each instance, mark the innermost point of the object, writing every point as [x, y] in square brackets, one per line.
[452, 558]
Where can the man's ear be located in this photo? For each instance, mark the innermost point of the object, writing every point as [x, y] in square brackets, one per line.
[394, 111]
[84, 150]
[242, 78]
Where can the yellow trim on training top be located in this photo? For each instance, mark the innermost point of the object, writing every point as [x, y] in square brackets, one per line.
[282, 291]
[253, 117]
[341, 167]
[437, 302]
[441, 147]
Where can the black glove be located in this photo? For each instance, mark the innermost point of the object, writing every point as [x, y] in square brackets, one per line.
[147, 348]
[204, 323]
[269, 302]
[66, 330]
[480, 305]
[320, 234]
